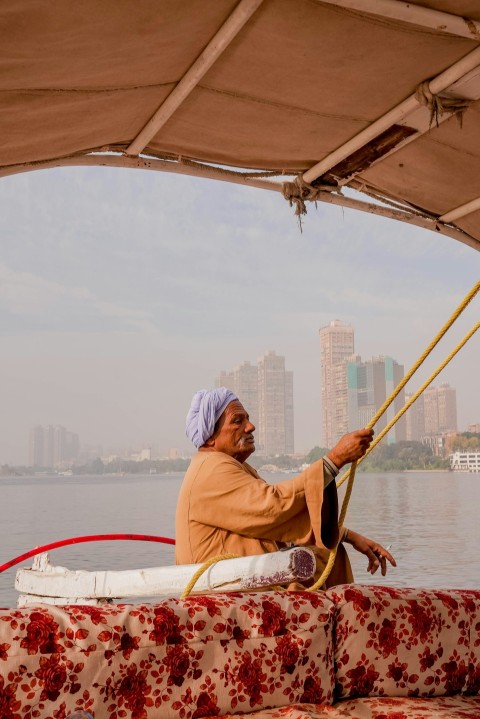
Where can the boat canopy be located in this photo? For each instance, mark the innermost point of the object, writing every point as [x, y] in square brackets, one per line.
[372, 104]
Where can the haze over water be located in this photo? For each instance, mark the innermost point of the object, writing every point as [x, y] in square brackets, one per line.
[123, 293]
[430, 519]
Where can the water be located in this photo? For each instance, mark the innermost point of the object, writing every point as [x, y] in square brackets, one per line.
[432, 521]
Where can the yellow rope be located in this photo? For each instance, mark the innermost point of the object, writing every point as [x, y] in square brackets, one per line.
[463, 304]
[188, 589]
[350, 474]
[331, 559]
[412, 399]
[202, 569]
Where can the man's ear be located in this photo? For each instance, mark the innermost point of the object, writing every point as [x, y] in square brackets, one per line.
[210, 442]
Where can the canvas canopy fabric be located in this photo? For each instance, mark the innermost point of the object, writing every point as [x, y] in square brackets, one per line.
[256, 87]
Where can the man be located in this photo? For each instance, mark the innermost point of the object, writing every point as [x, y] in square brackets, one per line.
[225, 507]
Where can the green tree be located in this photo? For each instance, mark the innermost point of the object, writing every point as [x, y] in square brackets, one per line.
[466, 441]
[400, 456]
[97, 466]
[316, 453]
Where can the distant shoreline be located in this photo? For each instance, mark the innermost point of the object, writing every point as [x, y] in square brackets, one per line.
[111, 475]
[417, 471]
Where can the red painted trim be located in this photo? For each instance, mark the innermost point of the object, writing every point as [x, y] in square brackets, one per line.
[87, 538]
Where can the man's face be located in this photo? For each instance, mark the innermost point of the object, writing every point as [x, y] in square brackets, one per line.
[234, 434]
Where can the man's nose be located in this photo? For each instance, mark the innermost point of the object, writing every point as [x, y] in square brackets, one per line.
[250, 428]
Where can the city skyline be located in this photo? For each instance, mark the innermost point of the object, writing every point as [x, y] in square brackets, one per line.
[52, 446]
[121, 293]
[362, 387]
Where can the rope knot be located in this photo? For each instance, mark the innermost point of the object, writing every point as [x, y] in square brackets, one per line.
[440, 104]
[299, 192]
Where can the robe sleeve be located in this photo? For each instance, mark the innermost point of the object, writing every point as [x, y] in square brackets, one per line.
[322, 507]
[230, 497]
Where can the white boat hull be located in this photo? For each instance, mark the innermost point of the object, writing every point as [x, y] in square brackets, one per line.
[46, 583]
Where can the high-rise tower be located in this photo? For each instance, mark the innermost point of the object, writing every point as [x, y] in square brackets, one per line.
[245, 382]
[336, 345]
[275, 405]
[36, 453]
[266, 391]
[440, 409]
[52, 446]
[369, 384]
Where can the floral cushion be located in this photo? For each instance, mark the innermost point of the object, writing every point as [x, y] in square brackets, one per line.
[406, 642]
[458, 707]
[446, 707]
[203, 656]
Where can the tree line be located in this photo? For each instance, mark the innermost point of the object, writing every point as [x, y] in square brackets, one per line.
[384, 458]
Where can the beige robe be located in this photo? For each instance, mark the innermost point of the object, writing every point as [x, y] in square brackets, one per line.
[224, 507]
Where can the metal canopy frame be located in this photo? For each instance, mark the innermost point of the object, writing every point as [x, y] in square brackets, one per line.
[449, 81]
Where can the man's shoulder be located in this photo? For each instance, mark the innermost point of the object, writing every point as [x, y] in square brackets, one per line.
[208, 467]
[251, 470]
[208, 464]
[211, 459]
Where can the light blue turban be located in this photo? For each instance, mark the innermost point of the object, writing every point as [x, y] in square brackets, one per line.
[206, 408]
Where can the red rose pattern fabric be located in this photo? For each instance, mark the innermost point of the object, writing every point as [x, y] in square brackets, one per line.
[406, 642]
[269, 655]
[458, 707]
[200, 657]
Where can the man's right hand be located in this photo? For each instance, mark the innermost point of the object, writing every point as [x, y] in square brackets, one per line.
[351, 447]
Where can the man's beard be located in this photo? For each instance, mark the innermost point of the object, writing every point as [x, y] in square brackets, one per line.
[248, 440]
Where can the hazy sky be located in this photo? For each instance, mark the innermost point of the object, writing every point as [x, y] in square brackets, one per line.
[122, 292]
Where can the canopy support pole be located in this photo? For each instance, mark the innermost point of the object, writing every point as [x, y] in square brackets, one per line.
[209, 172]
[393, 116]
[192, 77]
[216, 173]
[414, 14]
[461, 211]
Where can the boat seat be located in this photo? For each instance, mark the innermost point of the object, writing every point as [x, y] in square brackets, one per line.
[358, 652]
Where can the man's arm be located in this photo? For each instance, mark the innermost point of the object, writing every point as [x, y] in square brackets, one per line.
[226, 496]
[351, 447]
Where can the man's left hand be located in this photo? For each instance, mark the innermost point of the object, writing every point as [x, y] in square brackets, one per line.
[376, 554]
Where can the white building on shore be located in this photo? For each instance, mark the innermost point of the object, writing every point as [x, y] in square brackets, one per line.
[465, 461]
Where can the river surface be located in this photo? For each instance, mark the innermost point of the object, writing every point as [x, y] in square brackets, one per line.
[430, 519]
